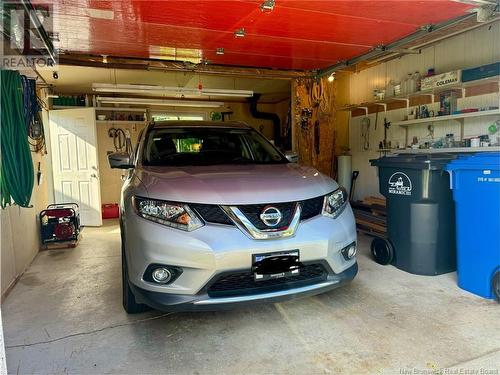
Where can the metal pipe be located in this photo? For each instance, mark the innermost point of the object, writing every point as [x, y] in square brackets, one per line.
[377, 53]
[28, 7]
[457, 32]
[266, 116]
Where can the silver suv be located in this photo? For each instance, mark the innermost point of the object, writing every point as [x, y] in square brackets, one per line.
[214, 216]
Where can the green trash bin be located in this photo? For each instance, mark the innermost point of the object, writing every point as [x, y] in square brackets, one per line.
[420, 214]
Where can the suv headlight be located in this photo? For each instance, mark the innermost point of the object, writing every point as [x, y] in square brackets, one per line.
[175, 215]
[335, 203]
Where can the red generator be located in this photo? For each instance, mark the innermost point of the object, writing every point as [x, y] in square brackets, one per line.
[60, 223]
[110, 211]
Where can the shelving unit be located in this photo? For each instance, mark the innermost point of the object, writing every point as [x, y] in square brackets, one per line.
[118, 122]
[461, 116]
[444, 150]
[108, 110]
[69, 107]
[102, 109]
[429, 93]
[117, 109]
[458, 117]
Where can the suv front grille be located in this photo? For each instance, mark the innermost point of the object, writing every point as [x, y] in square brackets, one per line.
[212, 213]
[243, 283]
[312, 207]
[252, 212]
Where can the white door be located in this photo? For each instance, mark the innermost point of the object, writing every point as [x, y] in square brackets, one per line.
[75, 163]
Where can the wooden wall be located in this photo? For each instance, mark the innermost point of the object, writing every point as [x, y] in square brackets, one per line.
[318, 139]
[473, 48]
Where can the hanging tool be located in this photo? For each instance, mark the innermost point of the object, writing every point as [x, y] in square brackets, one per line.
[31, 111]
[365, 133]
[316, 137]
[354, 177]
[305, 119]
[119, 139]
[387, 125]
[128, 143]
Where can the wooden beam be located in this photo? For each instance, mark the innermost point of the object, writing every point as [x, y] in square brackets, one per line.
[177, 66]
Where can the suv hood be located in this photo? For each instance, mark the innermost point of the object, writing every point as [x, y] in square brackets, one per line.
[235, 184]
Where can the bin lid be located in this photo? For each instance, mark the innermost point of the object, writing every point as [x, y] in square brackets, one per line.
[415, 161]
[479, 161]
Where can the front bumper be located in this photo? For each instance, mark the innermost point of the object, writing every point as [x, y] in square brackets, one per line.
[216, 249]
[202, 302]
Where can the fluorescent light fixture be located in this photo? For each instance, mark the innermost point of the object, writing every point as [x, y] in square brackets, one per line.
[267, 6]
[160, 102]
[165, 90]
[240, 33]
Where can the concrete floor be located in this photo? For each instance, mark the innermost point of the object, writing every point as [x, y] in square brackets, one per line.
[65, 316]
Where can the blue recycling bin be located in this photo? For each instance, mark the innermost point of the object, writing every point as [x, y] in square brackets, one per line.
[475, 182]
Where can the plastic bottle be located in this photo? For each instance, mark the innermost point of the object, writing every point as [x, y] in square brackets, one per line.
[418, 81]
[389, 89]
[406, 85]
[412, 84]
[397, 88]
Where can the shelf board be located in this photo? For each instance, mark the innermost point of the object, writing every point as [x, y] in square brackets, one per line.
[69, 107]
[444, 150]
[117, 109]
[404, 123]
[118, 122]
[457, 86]
[435, 91]
[101, 109]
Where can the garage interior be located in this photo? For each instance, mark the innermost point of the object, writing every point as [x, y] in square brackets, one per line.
[334, 84]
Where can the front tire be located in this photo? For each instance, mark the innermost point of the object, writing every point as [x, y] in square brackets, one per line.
[129, 303]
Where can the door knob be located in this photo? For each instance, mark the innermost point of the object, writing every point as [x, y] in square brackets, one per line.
[93, 175]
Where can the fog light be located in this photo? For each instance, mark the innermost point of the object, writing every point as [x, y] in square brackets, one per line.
[161, 275]
[349, 251]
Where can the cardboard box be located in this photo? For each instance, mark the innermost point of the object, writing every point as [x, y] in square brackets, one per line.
[481, 72]
[441, 80]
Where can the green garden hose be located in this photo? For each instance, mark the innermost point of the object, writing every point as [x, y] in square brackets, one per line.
[16, 164]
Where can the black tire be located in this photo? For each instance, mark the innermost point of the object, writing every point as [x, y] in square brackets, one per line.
[495, 285]
[129, 303]
[382, 251]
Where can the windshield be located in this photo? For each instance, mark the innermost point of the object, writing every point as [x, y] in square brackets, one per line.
[208, 146]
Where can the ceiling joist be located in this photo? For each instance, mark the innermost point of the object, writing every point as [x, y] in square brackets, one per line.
[175, 66]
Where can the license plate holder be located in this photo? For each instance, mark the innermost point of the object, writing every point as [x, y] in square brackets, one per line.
[276, 265]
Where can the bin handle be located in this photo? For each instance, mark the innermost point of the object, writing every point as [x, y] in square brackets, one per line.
[451, 179]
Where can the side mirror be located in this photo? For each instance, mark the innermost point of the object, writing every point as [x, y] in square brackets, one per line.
[292, 157]
[120, 160]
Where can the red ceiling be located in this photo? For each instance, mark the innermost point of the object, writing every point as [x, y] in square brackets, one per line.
[305, 34]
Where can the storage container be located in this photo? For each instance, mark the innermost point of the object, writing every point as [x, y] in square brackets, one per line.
[481, 72]
[110, 211]
[475, 182]
[420, 213]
